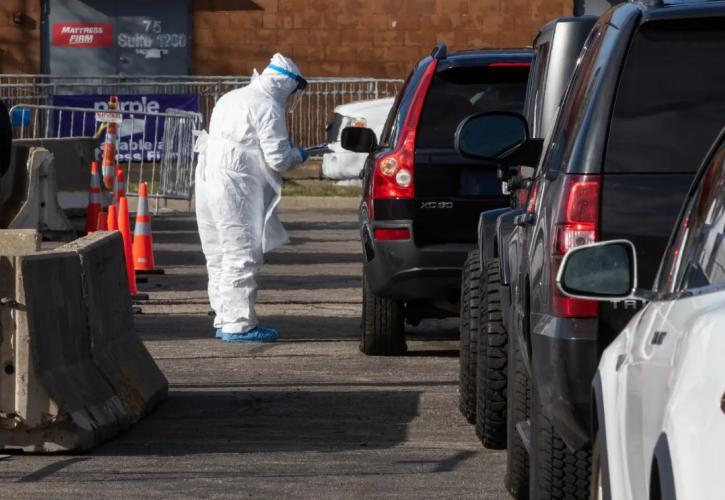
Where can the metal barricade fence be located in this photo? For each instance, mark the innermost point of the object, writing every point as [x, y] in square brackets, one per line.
[167, 161]
[157, 148]
[307, 124]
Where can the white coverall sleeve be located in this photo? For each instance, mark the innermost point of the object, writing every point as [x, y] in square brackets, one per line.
[274, 140]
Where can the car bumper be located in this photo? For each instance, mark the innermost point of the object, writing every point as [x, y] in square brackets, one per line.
[403, 271]
[565, 359]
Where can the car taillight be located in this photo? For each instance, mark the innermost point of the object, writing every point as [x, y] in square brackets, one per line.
[394, 174]
[581, 213]
[389, 234]
[577, 225]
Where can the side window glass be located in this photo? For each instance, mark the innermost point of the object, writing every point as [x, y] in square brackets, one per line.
[388, 128]
[697, 256]
[537, 87]
[575, 102]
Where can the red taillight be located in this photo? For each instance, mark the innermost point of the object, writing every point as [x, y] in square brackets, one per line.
[394, 171]
[578, 225]
[388, 234]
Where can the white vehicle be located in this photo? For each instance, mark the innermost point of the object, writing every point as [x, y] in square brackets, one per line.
[342, 164]
[659, 390]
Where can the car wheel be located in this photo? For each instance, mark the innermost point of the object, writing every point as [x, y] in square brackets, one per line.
[491, 376]
[556, 471]
[518, 400]
[470, 293]
[383, 328]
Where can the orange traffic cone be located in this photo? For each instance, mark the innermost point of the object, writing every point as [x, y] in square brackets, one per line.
[102, 224]
[119, 186]
[94, 200]
[112, 218]
[143, 245]
[124, 225]
[110, 144]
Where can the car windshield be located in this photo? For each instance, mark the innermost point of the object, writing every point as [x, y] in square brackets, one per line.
[458, 93]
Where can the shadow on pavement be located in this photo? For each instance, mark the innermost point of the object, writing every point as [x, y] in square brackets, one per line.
[162, 327]
[253, 421]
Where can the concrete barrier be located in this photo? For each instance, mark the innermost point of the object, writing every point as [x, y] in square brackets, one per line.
[77, 373]
[40, 209]
[73, 157]
[117, 349]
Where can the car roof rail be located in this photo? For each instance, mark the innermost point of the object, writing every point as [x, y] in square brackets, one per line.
[650, 3]
[440, 51]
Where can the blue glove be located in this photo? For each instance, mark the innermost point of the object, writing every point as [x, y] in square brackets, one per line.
[304, 154]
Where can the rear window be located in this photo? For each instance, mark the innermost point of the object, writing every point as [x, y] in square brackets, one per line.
[670, 104]
[460, 92]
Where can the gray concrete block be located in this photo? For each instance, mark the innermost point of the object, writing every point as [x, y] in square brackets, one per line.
[19, 241]
[117, 350]
[55, 366]
[73, 157]
[40, 209]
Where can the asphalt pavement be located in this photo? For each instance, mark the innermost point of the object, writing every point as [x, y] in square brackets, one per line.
[307, 417]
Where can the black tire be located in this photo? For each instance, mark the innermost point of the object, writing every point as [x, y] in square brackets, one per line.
[556, 471]
[492, 372]
[470, 302]
[518, 399]
[383, 327]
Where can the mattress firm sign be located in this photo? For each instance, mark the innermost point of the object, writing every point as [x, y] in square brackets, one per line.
[107, 37]
[83, 35]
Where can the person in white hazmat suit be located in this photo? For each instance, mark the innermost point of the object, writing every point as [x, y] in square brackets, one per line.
[238, 188]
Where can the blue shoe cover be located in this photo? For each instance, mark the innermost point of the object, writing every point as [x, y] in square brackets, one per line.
[256, 335]
[218, 334]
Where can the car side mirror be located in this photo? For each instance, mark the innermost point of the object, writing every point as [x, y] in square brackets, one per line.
[491, 137]
[359, 139]
[600, 271]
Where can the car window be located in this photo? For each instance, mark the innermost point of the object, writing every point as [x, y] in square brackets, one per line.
[575, 102]
[388, 128]
[457, 93]
[696, 257]
[670, 101]
[536, 88]
[406, 98]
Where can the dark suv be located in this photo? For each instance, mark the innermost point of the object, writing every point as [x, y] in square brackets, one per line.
[643, 106]
[484, 344]
[421, 201]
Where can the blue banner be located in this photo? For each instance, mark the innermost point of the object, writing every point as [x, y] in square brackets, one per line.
[140, 136]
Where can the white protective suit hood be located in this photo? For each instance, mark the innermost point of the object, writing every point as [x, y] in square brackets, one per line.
[238, 188]
[273, 82]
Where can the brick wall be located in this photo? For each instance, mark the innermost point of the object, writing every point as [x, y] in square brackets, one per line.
[20, 43]
[379, 38]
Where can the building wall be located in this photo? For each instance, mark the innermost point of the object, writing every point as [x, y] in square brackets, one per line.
[20, 43]
[379, 38]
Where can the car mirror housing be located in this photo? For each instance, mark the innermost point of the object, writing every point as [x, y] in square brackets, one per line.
[359, 139]
[491, 137]
[604, 271]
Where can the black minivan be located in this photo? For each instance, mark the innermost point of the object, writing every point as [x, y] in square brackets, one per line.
[421, 200]
[644, 104]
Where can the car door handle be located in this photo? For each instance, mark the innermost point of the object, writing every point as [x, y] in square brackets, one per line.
[658, 338]
[526, 219]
